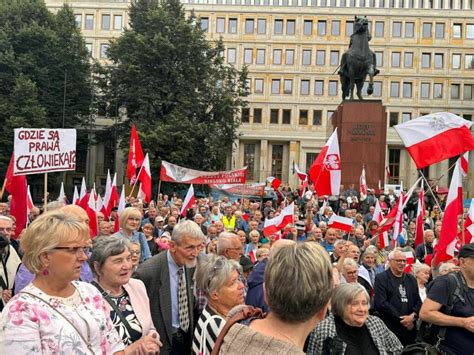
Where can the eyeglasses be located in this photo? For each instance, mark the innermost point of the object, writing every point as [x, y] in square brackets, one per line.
[75, 250]
[399, 260]
[134, 219]
[218, 265]
[7, 229]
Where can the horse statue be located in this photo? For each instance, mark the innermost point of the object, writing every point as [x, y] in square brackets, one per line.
[358, 61]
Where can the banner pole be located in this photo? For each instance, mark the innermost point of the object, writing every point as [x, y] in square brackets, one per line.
[45, 192]
[429, 187]
[3, 188]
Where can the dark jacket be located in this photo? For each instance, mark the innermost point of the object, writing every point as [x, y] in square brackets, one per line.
[388, 304]
[155, 275]
[255, 284]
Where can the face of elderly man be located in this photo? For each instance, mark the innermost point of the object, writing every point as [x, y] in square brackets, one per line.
[353, 252]
[5, 228]
[397, 263]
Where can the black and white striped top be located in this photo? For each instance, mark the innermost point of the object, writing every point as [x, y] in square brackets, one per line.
[213, 325]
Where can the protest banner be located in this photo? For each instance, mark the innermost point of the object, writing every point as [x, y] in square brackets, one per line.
[41, 150]
[174, 173]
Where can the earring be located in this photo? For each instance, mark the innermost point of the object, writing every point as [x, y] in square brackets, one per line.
[45, 272]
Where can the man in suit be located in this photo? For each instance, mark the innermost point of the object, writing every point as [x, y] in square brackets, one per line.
[168, 280]
[396, 299]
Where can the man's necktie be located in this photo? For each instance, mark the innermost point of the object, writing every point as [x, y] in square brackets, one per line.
[182, 302]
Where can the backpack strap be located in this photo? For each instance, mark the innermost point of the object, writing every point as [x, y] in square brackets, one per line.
[245, 312]
[456, 288]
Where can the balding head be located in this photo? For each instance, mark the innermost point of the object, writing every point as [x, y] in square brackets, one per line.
[76, 211]
[229, 246]
[280, 243]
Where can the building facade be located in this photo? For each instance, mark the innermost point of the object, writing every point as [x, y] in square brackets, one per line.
[424, 50]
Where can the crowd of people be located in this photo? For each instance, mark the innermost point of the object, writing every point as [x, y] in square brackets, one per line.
[172, 283]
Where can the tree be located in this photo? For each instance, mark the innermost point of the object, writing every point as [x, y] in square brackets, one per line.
[175, 87]
[37, 50]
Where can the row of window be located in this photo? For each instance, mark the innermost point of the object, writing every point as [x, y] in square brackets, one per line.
[108, 22]
[404, 4]
[314, 117]
[399, 29]
[287, 57]
[427, 90]
[284, 116]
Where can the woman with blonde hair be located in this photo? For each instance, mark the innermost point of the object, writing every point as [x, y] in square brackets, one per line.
[130, 220]
[55, 313]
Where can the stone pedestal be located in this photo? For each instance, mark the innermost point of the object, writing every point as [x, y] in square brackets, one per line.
[362, 133]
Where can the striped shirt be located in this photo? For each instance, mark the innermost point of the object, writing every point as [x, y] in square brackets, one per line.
[215, 323]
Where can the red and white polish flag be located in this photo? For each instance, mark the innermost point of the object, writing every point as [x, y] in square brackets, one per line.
[83, 196]
[444, 250]
[435, 137]
[75, 196]
[188, 201]
[410, 261]
[339, 222]
[144, 176]
[62, 194]
[384, 240]
[420, 217]
[363, 185]
[275, 182]
[135, 155]
[114, 196]
[286, 216]
[121, 207]
[325, 173]
[469, 224]
[91, 213]
[108, 192]
[253, 256]
[465, 164]
[29, 200]
[296, 170]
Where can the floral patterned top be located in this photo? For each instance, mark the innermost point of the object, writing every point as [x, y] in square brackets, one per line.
[30, 326]
[124, 305]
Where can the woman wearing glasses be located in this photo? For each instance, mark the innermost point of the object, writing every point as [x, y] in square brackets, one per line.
[55, 313]
[218, 277]
[127, 300]
[130, 221]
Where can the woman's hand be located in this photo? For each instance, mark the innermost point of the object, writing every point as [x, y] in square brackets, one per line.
[147, 345]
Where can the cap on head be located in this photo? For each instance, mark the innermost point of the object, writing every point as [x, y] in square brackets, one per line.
[467, 251]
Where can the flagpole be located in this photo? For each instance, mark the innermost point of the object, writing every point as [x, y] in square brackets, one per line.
[429, 187]
[158, 193]
[45, 192]
[135, 183]
[3, 188]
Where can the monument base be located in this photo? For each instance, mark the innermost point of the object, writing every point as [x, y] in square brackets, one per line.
[362, 133]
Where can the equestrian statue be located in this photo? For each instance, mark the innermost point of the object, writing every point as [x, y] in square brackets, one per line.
[358, 61]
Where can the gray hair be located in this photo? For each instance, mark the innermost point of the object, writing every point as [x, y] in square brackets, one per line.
[391, 255]
[212, 277]
[343, 295]
[349, 262]
[298, 296]
[340, 241]
[105, 247]
[417, 267]
[8, 219]
[224, 241]
[186, 228]
[369, 251]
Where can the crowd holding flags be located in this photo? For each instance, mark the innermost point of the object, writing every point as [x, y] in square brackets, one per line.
[429, 139]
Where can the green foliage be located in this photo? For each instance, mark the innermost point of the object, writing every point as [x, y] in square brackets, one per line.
[37, 48]
[175, 86]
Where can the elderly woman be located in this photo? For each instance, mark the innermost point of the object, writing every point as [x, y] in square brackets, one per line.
[297, 302]
[350, 329]
[135, 250]
[130, 220]
[422, 274]
[253, 245]
[55, 313]
[219, 278]
[148, 230]
[128, 303]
